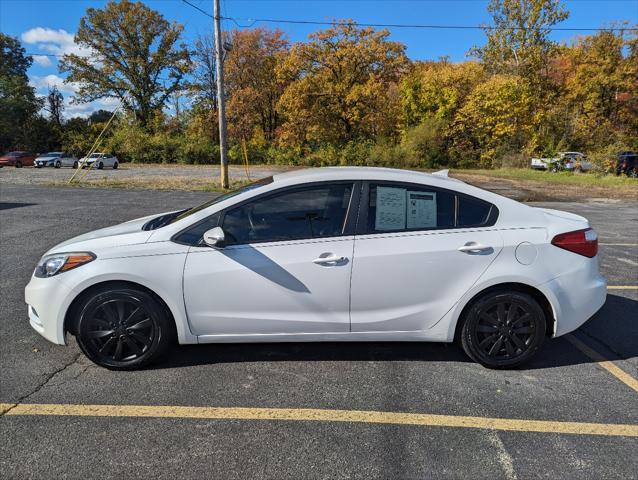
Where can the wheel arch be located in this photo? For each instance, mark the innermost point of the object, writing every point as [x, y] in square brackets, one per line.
[75, 305]
[534, 292]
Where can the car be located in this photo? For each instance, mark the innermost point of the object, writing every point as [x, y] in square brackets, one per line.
[569, 161]
[325, 254]
[627, 164]
[101, 160]
[17, 159]
[57, 160]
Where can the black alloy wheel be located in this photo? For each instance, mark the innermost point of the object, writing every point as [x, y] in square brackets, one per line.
[58, 164]
[123, 328]
[100, 166]
[503, 329]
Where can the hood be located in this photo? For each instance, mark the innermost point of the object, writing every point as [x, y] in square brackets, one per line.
[46, 159]
[127, 233]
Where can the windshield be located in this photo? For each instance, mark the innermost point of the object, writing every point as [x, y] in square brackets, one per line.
[221, 198]
[96, 155]
[52, 154]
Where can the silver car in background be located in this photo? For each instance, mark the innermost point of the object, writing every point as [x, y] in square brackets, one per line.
[56, 159]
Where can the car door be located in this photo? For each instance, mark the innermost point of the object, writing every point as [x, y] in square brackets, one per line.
[285, 268]
[418, 249]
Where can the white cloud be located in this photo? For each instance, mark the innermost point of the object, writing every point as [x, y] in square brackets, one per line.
[58, 42]
[42, 83]
[42, 60]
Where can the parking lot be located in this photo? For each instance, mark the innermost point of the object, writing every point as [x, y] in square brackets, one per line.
[378, 410]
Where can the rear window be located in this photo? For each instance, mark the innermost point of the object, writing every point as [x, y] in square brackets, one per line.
[399, 207]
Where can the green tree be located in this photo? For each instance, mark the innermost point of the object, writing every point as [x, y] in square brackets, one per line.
[518, 42]
[19, 105]
[133, 56]
[342, 85]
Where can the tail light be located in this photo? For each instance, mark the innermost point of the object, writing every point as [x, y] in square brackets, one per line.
[583, 242]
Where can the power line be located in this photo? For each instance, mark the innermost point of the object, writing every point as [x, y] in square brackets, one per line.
[253, 21]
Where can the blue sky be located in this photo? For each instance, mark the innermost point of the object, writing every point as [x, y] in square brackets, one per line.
[48, 25]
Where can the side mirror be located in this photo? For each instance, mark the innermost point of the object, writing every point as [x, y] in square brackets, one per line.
[214, 237]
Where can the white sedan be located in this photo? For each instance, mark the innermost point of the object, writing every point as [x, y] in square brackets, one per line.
[326, 254]
[101, 160]
[56, 159]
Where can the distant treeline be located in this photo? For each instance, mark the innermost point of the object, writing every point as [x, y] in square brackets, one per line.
[347, 96]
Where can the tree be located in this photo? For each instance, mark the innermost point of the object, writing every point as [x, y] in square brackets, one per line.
[204, 85]
[251, 78]
[55, 105]
[342, 85]
[495, 119]
[19, 105]
[133, 56]
[518, 41]
[437, 89]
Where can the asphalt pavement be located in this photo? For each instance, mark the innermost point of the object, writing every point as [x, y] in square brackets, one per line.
[562, 384]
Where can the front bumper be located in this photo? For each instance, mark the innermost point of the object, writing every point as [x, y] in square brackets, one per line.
[48, 300]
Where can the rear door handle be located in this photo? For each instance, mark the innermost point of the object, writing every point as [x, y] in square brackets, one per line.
[473, 248]
[327, 258]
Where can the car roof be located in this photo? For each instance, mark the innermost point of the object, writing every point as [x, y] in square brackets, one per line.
[358, 173]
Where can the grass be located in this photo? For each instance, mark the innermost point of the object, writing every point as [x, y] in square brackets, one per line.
[561, 178]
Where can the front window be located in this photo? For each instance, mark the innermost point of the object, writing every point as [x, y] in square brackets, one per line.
[221, 198]
[308, 212]
[96, 155]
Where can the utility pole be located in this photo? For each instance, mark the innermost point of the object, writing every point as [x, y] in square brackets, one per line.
[219, 71]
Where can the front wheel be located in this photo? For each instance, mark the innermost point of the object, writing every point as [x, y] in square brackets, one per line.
[75, 165]
[123, 328]
[58, 164]
[115, 165]
[503, 329]
[100, 166]
[18, 164]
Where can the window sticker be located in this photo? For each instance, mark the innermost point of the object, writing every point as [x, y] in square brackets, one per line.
[421, 209]
[390, 214]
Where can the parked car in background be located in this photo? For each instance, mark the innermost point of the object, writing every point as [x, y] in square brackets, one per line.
[17, 159]
[326, 254]
[57, 160]
[565, 161]
[627, 164]
[101, 160]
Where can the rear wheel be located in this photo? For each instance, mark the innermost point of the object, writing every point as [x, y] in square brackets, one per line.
[75, 164]
[503, 329]
[100, 166]
[18, 164]
[115, 165]
[58, 164]
[123, 328]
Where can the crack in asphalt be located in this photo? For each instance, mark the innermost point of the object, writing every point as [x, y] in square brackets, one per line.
[41, 385]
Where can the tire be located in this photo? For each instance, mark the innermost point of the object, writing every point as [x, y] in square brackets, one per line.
[75, 165]
[58, 164]
[115, 165]
[100, 166]
[123, 328]
[489, 333]
[18, 164]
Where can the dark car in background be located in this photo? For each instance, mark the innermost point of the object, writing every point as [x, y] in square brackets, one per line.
[17, 159]
[627, 164]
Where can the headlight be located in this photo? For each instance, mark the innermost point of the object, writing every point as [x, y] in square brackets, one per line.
[50, 265]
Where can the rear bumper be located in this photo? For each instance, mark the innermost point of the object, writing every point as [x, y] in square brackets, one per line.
[575, 297]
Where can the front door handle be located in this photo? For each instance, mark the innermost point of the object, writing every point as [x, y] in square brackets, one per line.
[328, 258]
[473, 248]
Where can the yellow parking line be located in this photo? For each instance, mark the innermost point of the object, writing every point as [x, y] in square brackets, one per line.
[622, 287]
[620, 374]
[320, 415]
